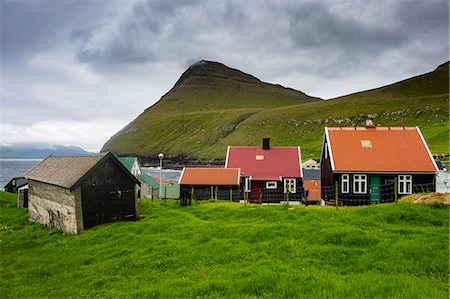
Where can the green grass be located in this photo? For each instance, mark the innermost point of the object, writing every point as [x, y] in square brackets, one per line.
[202, 116]
[232, 250]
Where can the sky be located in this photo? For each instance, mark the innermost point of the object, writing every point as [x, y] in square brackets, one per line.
[76, 72]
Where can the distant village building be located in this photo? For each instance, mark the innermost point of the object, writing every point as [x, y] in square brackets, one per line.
[312, 185]
[14, 184]
[74, 193]
[206, 183]
[150, 188]
[268, 173]
[132, 164]
[311, 164]
[375, 164]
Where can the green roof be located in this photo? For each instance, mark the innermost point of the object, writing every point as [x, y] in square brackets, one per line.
[149, 180]
[127, 162]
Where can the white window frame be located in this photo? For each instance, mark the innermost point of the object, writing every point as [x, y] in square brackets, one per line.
[360, 180]
[247, 184]
[345, 183]
[290, 185]
[271, 185]
[405, 184]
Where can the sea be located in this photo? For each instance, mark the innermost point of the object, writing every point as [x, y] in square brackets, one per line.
[10, 168]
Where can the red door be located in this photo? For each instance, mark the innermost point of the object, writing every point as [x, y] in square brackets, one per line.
[256, 190]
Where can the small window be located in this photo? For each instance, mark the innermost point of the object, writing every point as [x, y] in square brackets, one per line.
[366, 143]
[345, 181]
[259, 157]
[404, 184]
[271, 185]
[247, 184]
[289, 186]
[360, 184]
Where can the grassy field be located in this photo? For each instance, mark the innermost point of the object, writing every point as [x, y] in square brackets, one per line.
[232, 250]
[204, 114]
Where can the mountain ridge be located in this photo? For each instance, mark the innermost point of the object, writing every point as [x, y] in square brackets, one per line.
[196, 120]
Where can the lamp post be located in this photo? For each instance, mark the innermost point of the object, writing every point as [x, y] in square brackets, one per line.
[160, 156]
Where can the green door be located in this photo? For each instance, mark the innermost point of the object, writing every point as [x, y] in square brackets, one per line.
[375, 189]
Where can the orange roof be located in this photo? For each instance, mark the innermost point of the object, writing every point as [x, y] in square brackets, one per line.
[164, 182]
[314, 189]
[210, 176]
[380, 149]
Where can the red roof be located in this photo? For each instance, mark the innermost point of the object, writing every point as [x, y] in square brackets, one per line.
[380, 149]
[266, 165]
[164, 182]
[314, 189]
[210, 176]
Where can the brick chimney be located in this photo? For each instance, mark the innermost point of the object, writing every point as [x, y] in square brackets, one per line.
[266, 144]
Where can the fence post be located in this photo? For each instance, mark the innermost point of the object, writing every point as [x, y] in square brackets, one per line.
[260, 196]
[231, 194]
[395, 190]
[192, 195]
[212, 192]
[287, 197]
[336, 194]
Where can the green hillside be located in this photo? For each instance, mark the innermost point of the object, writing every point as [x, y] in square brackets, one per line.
[230, 250]
[213, 106]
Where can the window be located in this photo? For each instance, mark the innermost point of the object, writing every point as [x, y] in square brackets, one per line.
[359, 183]
[366, 144]
[404, 184]
[247, 184]
[345, 181]
[289, 186]
[271, 185]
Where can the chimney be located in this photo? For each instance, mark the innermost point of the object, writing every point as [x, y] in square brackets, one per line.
[369, 121]
[266, 144]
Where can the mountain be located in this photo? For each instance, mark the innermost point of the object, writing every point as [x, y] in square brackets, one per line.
[33, 151]
[212, 106]
[205, 105]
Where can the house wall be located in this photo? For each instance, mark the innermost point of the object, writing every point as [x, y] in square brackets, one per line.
[421, 183]
[326, 173]
[22, 197]
[202, 192]
[146, 190]
[171, 191]
[443, 181]
[55, 206]
[110, 175]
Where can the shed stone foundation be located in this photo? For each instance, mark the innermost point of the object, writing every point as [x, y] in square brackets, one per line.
[55, 207]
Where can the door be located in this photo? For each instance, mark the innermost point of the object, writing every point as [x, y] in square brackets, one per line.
[375, 189]
[256, 191]
[102, 204]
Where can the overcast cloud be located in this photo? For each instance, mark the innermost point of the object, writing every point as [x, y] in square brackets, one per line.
[76, 72]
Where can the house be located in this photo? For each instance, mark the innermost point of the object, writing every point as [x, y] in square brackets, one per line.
[14, 184]
[310, 164]
[312, 185]
[150, 186]
[206, 183]
[268, 173]
[74, 193]
[132, 164]
[375, 164]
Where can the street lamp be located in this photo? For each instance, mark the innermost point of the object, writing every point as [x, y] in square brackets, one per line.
[160, 156]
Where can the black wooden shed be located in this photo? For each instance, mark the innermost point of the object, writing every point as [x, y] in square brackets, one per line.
[74, 193]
